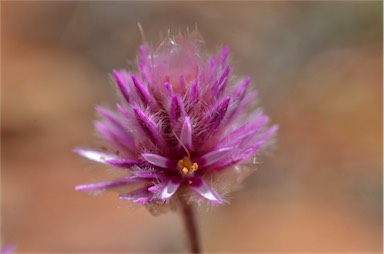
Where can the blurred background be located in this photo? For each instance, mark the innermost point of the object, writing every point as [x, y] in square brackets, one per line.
[318, 69]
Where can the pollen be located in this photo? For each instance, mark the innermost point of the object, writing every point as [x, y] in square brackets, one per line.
[186, 166]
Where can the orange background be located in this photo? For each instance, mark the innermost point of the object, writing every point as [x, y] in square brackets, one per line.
[318, 69]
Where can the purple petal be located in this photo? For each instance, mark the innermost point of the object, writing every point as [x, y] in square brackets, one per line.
[143, 52]
[121, 138]
[221, 84]
[245, 154]
[201, 187]
[177, 109]
[192, 97]
[247, 151]
[123, 111]
[148, 126]
[111, 116]
[186, 133]
[125, 163]
[147, 174]
[114, 126]
[247, 129]
[194, 93]
[98, 156]
[157, 189]
[123, 86]
[141, 195]
[170, 189]
[240, 90]
[251, 150]
[157, 160]
[214, 156]
[104, 185]
[269, 132]
[242, 156]
[167, 87]
[215, 117]
[142, 91]
[238, 94]
[224, 54]
[182, 83]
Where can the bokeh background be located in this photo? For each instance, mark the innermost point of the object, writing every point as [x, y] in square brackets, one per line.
[318, 69]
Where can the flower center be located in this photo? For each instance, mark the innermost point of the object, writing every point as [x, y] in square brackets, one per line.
[186, 166]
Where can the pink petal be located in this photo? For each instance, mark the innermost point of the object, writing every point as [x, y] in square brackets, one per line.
[123, 86]
[170, 189]
[213, 157]
[215, 117]
[201, 187]
[221, 83]
[111, 116]
[145, 173]
[103, 185]
[120, 138]
[167, 87]
[141, 195]
[272, 130]
[148, 125]
[176, 109]
[125, 163]
[186, 133]
[224, 54]
[157, 160]
[194, 94]
[95, 155]
[143, 92]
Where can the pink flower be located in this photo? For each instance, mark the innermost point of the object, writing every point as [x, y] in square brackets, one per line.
[183, 121]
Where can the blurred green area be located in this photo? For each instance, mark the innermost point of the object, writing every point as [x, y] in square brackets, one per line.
[317, 65]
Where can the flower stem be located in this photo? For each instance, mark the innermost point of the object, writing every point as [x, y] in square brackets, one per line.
[191, 227]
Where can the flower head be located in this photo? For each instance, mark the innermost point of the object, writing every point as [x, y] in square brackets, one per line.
[183, 121]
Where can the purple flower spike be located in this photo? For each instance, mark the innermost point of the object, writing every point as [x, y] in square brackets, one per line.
[184, 120]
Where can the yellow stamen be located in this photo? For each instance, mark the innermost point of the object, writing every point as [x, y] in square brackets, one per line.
[186, 166]
[195, 166]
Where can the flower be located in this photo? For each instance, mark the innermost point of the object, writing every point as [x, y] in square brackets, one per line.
[183, 121]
